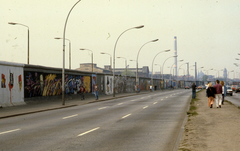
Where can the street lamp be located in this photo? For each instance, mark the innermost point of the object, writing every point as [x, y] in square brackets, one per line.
[153, 62]
[69, 50]
[138, 27]
[91, 55]
[163, 66]
[178, 71]
[228, 74]
[138, 55]
[171, 69]
[63, 69]
[125, 64]
[12, 23]
[159, 70]
[110, 60]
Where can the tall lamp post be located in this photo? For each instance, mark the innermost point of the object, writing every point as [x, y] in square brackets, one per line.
[12, 23]
[63, 69]
[228, 75]
[153, 62]
[125, 64]
[159, 70]
[138, 27]
[163, 66]
[171, 70]
[70, 56]
[91, 55]
[138, 55]
[110, 60]
[179, 68]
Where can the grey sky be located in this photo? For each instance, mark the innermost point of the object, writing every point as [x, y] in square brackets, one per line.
[207, 31]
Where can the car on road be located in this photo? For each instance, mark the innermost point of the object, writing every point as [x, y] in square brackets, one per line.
[199, 87]
[234, 87]
[237, 89]
[187, 87]
[229, 91]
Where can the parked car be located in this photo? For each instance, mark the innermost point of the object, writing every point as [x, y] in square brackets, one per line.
[237, 89]
[187, 87]
[199, 87]
[229, 91]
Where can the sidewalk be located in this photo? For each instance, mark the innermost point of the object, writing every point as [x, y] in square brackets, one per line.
[42, 106]
[213, 129]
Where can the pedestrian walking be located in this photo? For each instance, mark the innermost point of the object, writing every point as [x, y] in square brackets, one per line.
[207, 88]
[96, 91]
[224, 91]
[150, 88]
[82, 91]
[210, 94]
[218, 95]
[194, 90]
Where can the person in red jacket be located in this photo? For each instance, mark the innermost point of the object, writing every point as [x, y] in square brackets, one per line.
[218, 95]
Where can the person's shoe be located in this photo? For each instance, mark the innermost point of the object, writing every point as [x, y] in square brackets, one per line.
[211, 106]
[217, 107]
[220, 106]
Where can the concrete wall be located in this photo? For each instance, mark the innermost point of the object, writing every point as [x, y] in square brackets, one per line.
[11, 90]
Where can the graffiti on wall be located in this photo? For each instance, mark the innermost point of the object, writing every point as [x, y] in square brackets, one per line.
[94, 82]
[108, 84]
[124, 84]
[3, 82]
[42, 84]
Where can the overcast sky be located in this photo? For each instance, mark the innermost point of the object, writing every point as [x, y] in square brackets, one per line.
[208, 32]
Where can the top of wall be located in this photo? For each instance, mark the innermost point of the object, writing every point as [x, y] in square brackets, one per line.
[5, 63]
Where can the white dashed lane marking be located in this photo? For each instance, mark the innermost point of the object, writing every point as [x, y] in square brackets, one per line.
[9, 131]
[89, 131]
[126, 115]
[70, 116]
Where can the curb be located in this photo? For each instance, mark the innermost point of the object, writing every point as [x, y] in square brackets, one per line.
[43, 110]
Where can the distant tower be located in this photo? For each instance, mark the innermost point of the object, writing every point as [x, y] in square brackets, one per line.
[225, 74]
[175, 51]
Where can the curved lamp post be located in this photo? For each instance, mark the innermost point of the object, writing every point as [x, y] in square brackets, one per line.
[138, 55]
[171, 69]
[12, 23]
[159, 70]
[179, 68]
[110, 60]
[153, 62]
[63, 69]
[125, 64]
[138, 27]
[70, 62]
[163, 66]
[91, 55]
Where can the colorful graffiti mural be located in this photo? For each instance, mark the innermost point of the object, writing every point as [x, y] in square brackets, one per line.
[42, 84]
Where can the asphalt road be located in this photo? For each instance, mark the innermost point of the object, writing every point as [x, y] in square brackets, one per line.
[234, 99]
[137, 123]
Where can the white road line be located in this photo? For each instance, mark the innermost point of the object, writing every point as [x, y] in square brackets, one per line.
[102, 108]
[70, 116]
[167, 97]
[145, 107]
[155, 103]
[133, 100]
[126, 115]
[120, 103]
[161, 99]
[142, 98]
[89, 131]
[9, 131]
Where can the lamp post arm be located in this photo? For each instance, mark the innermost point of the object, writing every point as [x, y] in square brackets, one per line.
[63, 69]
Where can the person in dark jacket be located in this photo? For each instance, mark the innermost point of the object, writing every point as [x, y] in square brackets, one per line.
[194, 90]
[211, 91]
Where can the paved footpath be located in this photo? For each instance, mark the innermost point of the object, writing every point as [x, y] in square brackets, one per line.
[50, 104]
[213, 129]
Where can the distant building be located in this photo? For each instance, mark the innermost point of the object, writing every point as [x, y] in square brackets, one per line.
[142, 72]
[88, 68]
